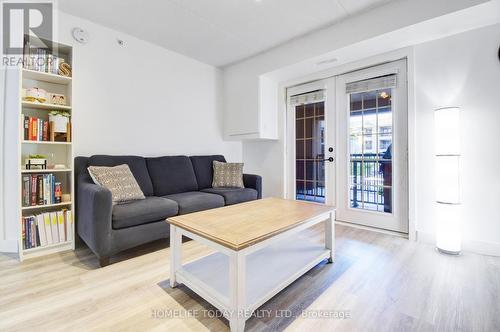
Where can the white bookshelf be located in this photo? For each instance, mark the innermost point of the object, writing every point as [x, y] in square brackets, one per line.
[57, 152]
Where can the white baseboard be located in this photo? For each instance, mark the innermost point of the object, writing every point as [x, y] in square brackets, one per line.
[373, 229]
[8, 246]
[477, 247]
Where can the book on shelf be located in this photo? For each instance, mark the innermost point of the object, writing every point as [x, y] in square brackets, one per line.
[40, 192]
[40, 59]
[61, 228]
[47, 228]
[54, 228]
[69, 225]
[41, 230]
[32, 190]
[40, 189]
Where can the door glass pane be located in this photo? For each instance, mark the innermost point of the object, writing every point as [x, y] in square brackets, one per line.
[370, 150]
[310, 152]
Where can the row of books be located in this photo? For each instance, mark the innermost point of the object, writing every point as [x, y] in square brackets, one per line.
[40, 59]
[36, 129]
[47, 228]
[41, 189]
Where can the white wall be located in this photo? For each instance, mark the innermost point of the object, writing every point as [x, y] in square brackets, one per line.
[10, 178]
[142, 99]
[464, 71]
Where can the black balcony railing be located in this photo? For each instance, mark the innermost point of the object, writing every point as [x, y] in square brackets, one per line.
[370, 187]
[370, 182]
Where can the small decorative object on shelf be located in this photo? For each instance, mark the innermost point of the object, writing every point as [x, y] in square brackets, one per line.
[57, 192]
[35, 95]
[60, 126]
[57, 99]
[36, 161]
[66, 198]
[64, 69]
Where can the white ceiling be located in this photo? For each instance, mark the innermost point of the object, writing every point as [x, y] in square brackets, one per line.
[217, 32]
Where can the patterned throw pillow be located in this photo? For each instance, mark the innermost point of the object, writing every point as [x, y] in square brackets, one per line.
[119, 180]
[228, 175]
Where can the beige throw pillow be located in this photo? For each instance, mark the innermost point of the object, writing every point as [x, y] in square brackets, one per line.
[228, 175]
[119, 180]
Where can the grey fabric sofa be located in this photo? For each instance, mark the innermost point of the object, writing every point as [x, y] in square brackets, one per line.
[172, 185]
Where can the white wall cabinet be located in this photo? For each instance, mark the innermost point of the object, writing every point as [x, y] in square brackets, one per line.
[250, 107]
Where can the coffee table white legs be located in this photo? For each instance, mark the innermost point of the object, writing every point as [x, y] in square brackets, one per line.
[237, 299]
[175, 253]
[330, 236]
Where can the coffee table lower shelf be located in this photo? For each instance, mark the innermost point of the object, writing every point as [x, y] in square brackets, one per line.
[268, 271]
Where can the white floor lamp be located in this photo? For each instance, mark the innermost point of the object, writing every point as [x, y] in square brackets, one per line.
[447, 161]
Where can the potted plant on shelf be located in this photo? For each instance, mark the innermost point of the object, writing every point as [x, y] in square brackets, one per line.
[60, 125]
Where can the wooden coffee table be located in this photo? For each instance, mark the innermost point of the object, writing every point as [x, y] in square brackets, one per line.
[258, 252]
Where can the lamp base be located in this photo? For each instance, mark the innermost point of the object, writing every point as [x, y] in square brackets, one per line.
[448, 252]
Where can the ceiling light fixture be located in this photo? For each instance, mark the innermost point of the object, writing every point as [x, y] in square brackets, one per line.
[384, 95]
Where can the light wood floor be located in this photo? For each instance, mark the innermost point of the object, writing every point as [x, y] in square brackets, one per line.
[380, 282]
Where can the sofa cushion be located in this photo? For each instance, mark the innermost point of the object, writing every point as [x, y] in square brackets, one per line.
[171, 175]
[119, 180]
[143, 211]
[203, 168]
[136, 164]
[234, 195]
[228, 175]
[196, 201]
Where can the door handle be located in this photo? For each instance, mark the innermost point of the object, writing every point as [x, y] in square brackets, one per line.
[329, 159]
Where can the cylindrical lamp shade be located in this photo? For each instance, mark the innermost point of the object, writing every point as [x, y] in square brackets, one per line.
[449, 229]
[448, 179]
[447, 131]
[447, 166]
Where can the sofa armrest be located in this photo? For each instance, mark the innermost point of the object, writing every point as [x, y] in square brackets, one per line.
[253, 181]
[94, 216]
